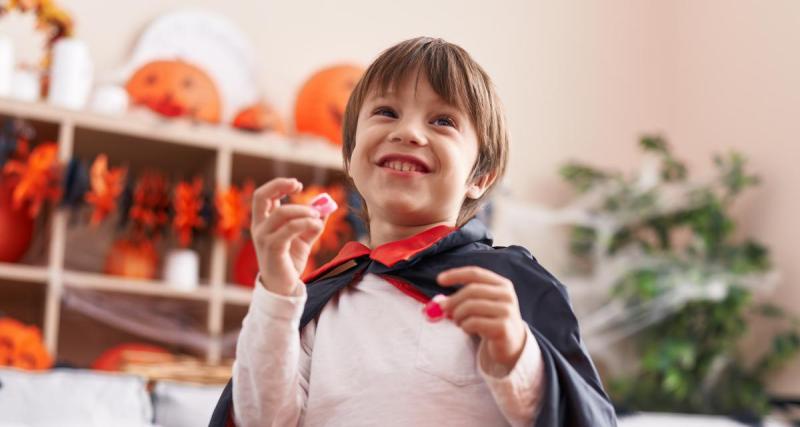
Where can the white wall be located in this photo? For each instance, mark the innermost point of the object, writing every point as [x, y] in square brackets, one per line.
[581, 79]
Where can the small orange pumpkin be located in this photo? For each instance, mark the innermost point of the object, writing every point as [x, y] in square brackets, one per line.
[259, 118]
[21, 346]
[322, 100]
[176, 88]
[136, 260]
[113, 358]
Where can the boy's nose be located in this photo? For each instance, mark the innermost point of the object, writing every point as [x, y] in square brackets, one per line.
[408, 133]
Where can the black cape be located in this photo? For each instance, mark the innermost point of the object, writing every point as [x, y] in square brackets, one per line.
[573, 394]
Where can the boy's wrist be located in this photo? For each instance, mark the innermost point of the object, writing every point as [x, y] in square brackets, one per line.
[284, 290]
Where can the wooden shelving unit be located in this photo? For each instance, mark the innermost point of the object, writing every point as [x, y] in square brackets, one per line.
[219, 153]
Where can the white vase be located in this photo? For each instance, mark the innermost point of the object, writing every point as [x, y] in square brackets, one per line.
[6, 64]
[25, 85]
[182, 269]
[71, 74]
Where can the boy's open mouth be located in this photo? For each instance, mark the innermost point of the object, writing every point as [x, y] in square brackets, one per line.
[403, 163]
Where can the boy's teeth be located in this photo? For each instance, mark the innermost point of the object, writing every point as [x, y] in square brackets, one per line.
[402, 166]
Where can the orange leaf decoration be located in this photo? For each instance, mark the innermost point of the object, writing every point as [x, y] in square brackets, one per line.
[106, 187]
[187, 203]
[21, 346]
[38, 178]
[150, 203]
[233, 210]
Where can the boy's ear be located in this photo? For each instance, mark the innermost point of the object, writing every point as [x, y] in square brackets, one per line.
[479, 185]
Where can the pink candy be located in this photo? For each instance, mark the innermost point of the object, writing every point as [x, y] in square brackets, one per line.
[324, 204]
[433, 309]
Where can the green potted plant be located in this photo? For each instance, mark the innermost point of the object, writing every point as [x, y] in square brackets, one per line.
[686, 294]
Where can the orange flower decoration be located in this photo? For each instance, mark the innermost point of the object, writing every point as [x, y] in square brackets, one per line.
[106, 187]
[233, 210]
[187, 203]
[21, 346]
[38, 177]
[150, 203]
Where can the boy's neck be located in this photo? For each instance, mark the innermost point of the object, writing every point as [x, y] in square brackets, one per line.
[381, 232]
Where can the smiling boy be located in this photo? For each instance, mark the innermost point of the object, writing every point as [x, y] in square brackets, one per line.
[424, 143]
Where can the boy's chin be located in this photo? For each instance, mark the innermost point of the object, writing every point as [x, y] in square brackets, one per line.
[406, 211]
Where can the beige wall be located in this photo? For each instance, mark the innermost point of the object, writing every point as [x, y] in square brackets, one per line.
[736, 79]
[580, 79]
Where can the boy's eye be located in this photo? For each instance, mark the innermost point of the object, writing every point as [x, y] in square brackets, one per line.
[444, 121]
[385, 111]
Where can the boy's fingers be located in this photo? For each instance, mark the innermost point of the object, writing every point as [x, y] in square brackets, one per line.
[280, 240]
[473, 291]
[267, 197]
[470, 274]
[285, 213]
[475, 307]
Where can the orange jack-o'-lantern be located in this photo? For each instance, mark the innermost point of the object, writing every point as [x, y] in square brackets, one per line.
[21, 346]
[176, 88]
[137, 260]
[259, 118]
[322, 100]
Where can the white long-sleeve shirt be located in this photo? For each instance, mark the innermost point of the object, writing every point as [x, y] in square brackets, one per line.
[371, 358]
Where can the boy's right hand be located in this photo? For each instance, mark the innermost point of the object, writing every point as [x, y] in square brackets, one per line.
[282, 235]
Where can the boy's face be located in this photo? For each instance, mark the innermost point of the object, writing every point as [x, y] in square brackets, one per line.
[413, 155]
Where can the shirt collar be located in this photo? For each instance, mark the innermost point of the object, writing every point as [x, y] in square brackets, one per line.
[387, 254]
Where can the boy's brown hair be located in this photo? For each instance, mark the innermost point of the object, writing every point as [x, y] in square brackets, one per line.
[459, 81]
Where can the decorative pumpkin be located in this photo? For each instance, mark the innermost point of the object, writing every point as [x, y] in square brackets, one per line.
[322, 100]
[176, 88]
[21, 346]
[133, 259]
[113, 358]
[245, 267]
[259, 118]
[16, 226]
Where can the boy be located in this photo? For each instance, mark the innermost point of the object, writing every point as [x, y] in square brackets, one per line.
[424, 143]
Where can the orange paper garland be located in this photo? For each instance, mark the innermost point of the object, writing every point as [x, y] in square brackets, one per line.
[38, 177]
[106, 186]
[233, 210]
[187, 204]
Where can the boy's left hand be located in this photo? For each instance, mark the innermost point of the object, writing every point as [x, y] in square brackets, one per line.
[487, 306]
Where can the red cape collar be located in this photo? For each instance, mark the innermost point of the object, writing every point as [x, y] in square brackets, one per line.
[387, 254]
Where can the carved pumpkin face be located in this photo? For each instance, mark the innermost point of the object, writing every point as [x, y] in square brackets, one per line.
[21, 346]
[259, 118]
[176, 88]
[322, 101]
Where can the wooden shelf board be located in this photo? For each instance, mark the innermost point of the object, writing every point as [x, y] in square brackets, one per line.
[238, 295]
[303, 150]
[24, 273]
[102, 282]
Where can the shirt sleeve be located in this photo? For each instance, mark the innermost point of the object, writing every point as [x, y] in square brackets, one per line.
[517, 391]
[273, 359]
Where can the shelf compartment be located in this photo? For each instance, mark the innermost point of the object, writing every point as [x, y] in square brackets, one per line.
[22, 300]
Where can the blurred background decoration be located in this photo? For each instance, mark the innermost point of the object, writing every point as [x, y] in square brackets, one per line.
[132, 135]
[668, 273]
